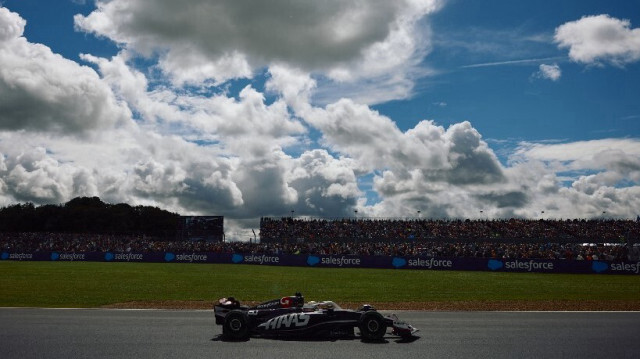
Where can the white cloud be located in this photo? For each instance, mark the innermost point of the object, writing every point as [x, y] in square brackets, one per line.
[423, 167]
[374, 141]
[11, 25]
[387, 69]
[549, 72]
[143, 168]
[454, 185]
[603, 175]
[600, 39]
[189, 66]
[34, 176]
[244, 125]
[308, 34]
[239, 171]
[586, 151]
[293, 85]
[374, 43]
[325, 185]
[43, 91]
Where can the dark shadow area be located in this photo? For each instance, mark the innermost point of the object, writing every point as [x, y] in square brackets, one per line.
[386, 340]
[407, 340]
[311, 339]
[221, 338]
[375, 341]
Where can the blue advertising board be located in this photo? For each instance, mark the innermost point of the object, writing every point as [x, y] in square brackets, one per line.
[342, 261]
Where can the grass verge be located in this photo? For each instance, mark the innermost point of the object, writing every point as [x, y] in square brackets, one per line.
[94, 284]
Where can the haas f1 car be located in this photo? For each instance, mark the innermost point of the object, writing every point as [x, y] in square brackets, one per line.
[292, 317]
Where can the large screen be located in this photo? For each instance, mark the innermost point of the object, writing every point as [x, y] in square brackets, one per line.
[206, 228]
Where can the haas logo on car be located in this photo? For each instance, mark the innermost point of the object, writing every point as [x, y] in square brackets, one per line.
[287, 321]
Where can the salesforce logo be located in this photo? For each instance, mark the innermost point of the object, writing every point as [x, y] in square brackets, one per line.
[168, 257]
[495, 264]
[398, 262]
[313, 260]
[55, 256]
[599, 267]
[237, 258]
[334, 261]
[108, 256]
[4, 256]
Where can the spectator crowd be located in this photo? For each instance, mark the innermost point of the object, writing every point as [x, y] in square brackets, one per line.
[510, 239]
[573, 230]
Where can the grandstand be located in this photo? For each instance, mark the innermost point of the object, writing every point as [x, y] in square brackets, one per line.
[105, 228]
[288, 229]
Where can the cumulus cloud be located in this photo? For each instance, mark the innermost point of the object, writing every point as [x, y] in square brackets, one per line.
[142, 168]
[387, 69]
[427, 166]
[43, 91]
[616, 161]
[34, 176]
[178, 174]
[320, 167]
[44, 94]
[202, 42]
[549, 72]
[600, 39]
[602, 175]
[306, 33]
[457, 154]
[581, 151]
[186, 152]
[293, 85]
[11, 25]
[244, 125]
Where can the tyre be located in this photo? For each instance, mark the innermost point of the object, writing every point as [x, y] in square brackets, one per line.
[236, 325]
[372, 326]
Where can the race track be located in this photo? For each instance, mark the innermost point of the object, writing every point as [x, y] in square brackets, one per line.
[98, 333]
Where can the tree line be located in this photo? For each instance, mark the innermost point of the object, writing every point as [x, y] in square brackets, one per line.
[89, 215]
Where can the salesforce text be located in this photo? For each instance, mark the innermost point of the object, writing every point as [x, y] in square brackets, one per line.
[529, 266]
[340, 261]
[430, 263]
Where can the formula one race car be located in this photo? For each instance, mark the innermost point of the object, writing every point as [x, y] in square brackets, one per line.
[291, 317]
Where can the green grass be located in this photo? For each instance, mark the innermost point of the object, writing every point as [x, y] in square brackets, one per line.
[75, 284]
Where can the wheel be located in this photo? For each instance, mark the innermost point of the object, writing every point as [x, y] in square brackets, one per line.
[372, 326]
[236, 325]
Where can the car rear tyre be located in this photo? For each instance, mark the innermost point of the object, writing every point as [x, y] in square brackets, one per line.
[236, 325]
[372, 326]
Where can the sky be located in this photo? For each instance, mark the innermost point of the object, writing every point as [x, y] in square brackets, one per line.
[350, 108]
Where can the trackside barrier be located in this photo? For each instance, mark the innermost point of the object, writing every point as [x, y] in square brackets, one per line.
[338, 261]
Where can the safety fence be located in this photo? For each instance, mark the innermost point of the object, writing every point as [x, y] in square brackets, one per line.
[343, 261]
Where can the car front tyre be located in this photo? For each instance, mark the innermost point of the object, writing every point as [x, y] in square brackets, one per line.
[372, 326]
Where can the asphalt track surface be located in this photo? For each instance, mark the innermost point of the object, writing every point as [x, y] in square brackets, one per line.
[98, 333]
